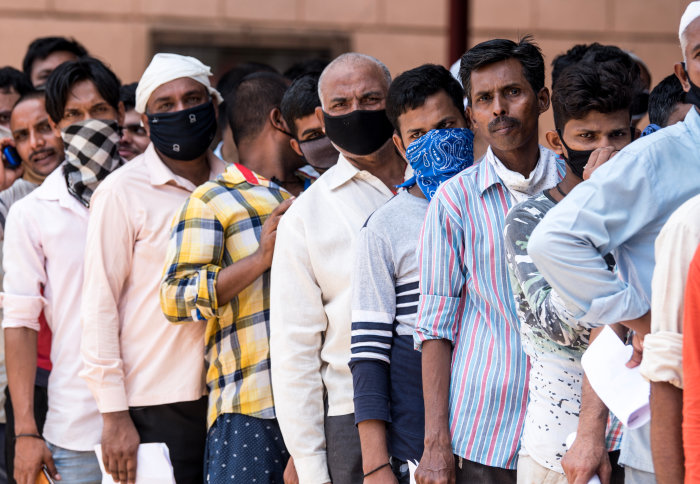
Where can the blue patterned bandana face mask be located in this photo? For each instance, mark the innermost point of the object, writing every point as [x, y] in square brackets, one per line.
[437, 156]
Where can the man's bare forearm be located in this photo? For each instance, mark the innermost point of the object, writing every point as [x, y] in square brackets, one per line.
[20, 360]
[666, 432]
[236, 277]
[436, 361]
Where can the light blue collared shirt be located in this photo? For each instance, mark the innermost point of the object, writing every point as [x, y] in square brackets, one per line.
[620, 209]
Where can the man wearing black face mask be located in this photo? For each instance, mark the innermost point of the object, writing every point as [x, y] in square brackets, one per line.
[622, 208]
[592, 111]
[299, 110]
[310, 296]
[145, 373]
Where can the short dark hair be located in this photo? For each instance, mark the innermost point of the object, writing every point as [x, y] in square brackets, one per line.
[594, 52]
[605, 87]
[64, 77]
[664, 98]
[248, 106]
[42, 47]
[410, 90]
[300, 100]
[33, 94]
[11, 78]
[525, 51]
[127, 95]
[229, 81]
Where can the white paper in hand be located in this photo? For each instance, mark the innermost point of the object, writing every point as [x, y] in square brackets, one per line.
[623, 390]
[412, 466]
[153, 465]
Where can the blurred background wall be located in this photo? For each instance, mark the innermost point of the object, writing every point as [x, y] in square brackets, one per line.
[401, 33]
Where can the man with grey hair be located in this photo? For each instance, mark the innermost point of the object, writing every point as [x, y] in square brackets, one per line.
[310, 296]
[621, 209]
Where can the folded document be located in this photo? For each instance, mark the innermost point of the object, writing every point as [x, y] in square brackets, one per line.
[623, 390]
[153, 465]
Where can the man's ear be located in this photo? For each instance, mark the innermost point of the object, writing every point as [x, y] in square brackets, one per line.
[682, 76]
[470, 119]
[636, 134]
[277, 120]
[398, 142]
[543, 100]
[121, 113]
[295, 146]
[319, 115]
[55, 129]
[554, 142]
[146, 126]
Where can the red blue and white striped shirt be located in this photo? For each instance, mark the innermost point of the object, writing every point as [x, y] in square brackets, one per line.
[466, 298]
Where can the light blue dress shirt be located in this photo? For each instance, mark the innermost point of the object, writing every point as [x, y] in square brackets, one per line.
[620, 209]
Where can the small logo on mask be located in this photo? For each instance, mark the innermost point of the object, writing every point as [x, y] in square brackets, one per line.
[176, 148]
[193, 118]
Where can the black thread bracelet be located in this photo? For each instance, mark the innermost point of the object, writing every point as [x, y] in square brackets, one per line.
[375, 470]
[34, 436]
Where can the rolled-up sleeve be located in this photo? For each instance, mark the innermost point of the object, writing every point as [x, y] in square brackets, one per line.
[193, 262]
[25, 272]
[297, 324]
[598, 216]
[441, 267]
[108, 255]
[675, 247]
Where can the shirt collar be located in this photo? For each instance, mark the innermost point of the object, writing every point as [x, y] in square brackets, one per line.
[160, 174]
[236, 174]
[341, 173]
[692, 119]
[487, 174]
[54, 188]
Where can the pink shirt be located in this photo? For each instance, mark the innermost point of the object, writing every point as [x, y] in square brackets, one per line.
[44, 248]
[132, 355]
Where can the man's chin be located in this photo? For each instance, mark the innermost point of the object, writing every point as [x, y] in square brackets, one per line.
[127, 154]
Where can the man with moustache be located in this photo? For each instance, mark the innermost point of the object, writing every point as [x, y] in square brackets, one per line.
[145, 373]
[310, 296]
[474, 367]
[134, 140]
[43, 261]
[40, 150]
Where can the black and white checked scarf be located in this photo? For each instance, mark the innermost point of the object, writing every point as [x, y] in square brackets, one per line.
[92, 153]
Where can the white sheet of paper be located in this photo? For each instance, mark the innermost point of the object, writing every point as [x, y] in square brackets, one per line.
[412, 466]
[623, 390]
[153, 465]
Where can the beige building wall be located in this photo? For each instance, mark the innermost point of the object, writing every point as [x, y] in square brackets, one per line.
[402, 33]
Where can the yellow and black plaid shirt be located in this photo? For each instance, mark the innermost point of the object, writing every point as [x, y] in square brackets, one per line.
[220, 224]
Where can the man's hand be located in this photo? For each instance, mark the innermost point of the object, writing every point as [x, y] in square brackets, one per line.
[586, 458]
[638, 345]
[120, 443]
[290, 473]
[8, 175]
[437, 466]
[269, 232]
[30, 455]
[598, 157]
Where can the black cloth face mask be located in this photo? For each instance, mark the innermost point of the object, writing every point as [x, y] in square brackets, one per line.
[692, 96]
[360, 132]
[576, 159]
[184, 135]
[319, 153]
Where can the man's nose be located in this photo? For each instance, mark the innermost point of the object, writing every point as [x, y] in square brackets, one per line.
[36, 140]
[499, 105]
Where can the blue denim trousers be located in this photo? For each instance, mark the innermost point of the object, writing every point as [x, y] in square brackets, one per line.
[76, 467]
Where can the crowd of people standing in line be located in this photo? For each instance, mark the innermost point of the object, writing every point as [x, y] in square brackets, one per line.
[365, 273]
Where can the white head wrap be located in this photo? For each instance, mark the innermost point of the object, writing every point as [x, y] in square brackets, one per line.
[168, 67]
[691, 13]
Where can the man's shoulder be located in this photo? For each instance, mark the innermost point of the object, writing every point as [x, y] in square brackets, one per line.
[397, 208]
[524, 217]
[125, 175]
[684, 217]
